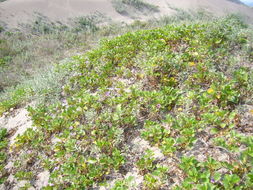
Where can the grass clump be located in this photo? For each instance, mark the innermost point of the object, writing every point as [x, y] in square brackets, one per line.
[23, 55]
[130, 7]
[171, 84]
[44, 87]
[28, 58]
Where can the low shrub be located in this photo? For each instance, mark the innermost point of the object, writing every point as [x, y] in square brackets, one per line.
[173, 84]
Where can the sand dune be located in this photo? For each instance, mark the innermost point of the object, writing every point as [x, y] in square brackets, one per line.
[13, 12]
[217, 7]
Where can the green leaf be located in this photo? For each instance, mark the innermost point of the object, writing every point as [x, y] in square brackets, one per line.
[217, 176]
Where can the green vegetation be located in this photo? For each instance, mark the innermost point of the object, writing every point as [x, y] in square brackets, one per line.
[157, 178]
[28, 58]
[44, 87]
[130, 7]
[3, 154]
[24, 54]
[1, 29]
[175, 85]
[123, 184]
[146, 163]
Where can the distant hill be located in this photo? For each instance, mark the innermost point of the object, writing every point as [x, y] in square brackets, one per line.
[236, 1]
[13, 12]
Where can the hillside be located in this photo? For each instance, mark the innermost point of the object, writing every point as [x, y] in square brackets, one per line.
[62, 10]
[126, 95]
[166, 108]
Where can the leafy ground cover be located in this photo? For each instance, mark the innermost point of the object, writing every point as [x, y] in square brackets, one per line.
[181, 88]
[3, 154]
[28, 58]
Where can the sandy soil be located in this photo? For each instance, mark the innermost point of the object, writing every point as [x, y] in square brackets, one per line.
[14, 12]
[17, 121]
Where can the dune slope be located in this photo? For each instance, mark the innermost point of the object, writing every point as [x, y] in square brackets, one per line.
[167, 108]
[62, 10]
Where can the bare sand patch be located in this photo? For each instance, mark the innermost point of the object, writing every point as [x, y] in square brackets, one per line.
[18, 120]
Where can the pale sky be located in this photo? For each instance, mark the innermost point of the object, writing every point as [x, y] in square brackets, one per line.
[247, 1]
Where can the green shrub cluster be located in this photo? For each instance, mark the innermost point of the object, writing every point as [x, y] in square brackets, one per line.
[174, 83]
[29, 57]
[3, 154]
